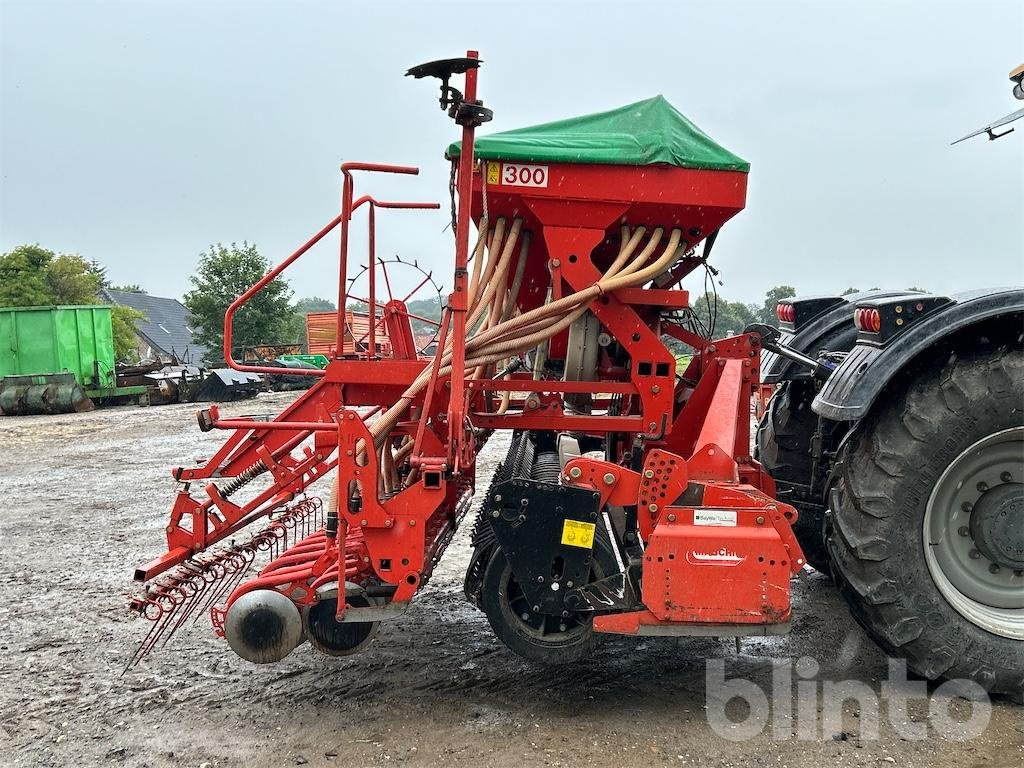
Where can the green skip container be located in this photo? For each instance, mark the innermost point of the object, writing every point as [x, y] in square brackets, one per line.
[51, 340]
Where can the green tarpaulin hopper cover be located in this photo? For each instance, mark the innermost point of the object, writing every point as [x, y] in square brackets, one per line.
[645, 133]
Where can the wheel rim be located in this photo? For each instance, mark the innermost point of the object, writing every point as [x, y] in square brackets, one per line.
[972, 538]
[553, 630]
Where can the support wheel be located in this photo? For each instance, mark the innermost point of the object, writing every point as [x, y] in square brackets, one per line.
[535, 636]
[926, 529]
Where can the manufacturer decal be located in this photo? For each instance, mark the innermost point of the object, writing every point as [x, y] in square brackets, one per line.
[721, 557]
[714, 517]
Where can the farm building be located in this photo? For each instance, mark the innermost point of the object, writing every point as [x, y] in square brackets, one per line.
[165, 331]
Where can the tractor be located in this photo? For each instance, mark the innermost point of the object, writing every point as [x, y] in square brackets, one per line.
[631, 500]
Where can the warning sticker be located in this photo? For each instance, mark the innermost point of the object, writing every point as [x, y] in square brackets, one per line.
[493, 173]
[576, 533]
[714, 517]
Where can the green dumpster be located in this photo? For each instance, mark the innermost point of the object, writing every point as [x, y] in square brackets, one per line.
[50, 340]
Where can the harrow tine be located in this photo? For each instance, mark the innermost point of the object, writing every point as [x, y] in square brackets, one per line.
[146, 607]
[209, 576]
[240, 564]
[177, 597]
[197, 586]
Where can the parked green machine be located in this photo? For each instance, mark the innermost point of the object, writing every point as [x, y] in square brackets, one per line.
[56, 359]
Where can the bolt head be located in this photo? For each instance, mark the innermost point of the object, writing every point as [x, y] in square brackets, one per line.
[497, 497]
[575, 473]
[609, 478]
[967, 507]
[649, 474]
[412, 523]
[1006, 477]
[363, 523]
[993, 568]
[759, 519]
[974, 554]
[568, 584]
[982, 486]
[495, 513]
[536, 609]
[388, 523]
[963, 530]
[671, 518]
[652, 507]
[540, 579]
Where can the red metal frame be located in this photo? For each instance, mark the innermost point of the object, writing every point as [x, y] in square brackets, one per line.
[698, 423]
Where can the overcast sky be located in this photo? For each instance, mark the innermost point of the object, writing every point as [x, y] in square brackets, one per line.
[138, 133]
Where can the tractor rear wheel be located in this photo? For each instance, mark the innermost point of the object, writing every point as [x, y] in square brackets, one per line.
[536, 636]
[926, 527]
[784, 450]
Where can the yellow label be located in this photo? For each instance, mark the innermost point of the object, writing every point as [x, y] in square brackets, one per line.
[493, 173]
[576, 533]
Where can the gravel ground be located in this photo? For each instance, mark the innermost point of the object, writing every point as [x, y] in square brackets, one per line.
[86, 497]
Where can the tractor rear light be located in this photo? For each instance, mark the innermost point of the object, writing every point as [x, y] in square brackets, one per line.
[867, 319]
[881, 319]
[798, 312]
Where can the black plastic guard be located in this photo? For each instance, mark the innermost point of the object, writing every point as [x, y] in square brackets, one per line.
[547, 533]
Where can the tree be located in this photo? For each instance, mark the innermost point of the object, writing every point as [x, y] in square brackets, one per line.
[766, 313]
[32, 276]
[23, 278]
[313, 304]
[129, 288]
[72, 280]
[729, 318]
[224, 274]
[126, 346]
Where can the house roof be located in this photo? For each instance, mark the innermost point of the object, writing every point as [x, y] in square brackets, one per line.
[166, 326]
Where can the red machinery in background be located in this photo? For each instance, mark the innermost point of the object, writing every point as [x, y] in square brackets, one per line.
[628, 502]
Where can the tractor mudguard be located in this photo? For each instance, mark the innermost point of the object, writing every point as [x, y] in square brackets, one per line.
[858, 381]
[821, 322]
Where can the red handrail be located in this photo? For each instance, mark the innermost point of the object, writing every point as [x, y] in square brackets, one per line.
[342, 218]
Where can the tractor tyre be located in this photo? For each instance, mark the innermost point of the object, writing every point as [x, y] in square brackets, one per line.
[925, 530]
[533, 636]
[784, 450]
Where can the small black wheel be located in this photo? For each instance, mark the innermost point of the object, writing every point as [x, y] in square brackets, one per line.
[926, 526]
[784, 450]
[535, 636]
[337, 638]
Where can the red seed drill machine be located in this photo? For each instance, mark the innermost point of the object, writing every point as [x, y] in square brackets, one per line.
[628, 503]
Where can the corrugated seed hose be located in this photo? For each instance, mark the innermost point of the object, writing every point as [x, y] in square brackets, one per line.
[494, 335]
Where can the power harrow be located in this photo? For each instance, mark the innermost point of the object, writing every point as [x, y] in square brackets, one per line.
[629, 501]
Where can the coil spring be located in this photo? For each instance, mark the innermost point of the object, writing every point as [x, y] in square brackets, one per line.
[243, 478]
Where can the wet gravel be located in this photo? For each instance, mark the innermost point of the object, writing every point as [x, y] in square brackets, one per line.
[85, 498]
